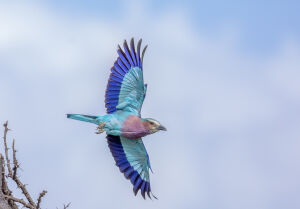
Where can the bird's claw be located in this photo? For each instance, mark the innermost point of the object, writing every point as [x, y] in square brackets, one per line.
[100, 128]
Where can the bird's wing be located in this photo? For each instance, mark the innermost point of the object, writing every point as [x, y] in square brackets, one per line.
[132, 159]
[125, 88]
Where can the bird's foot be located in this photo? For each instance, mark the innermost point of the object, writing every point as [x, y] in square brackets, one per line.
[100, 128]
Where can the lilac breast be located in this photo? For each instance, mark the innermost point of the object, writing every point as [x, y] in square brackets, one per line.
[133, 128]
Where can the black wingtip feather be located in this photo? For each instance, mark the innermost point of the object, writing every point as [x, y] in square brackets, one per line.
[139, 46]
[154, 196]
[121, 50]
[143, 195]
[125, 44]
[129, 57]
[132, 44]
[148, 193]
[139, 51]
[143, 53]
[132, 51]
[135, 192]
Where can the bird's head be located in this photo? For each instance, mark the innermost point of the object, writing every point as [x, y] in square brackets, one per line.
[153, 125]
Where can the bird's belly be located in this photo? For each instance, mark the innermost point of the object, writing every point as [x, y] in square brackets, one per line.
[133, 134]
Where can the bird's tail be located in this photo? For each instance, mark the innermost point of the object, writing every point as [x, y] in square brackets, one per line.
[85, 118]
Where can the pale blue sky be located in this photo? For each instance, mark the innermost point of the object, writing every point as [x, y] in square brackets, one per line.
[262, 24]
[223, 77]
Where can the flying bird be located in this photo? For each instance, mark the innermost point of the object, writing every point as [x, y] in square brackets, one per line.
[123, 124]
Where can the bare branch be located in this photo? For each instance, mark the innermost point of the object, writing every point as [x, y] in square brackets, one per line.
[15, 161]
[42, 194]
[4, 190]
[12, 174]
[25, 204]
[66, 206]
[17, 180]
[5, 193]
[6, 149]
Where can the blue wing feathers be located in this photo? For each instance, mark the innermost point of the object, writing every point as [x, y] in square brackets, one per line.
[116, 73]
[113, 87]
[122, 161]
[128, 59]
[115, 83]
[111, 105]
[147, 189]
[123, 58]
[120, 151]
[143, 187]
[127, 53]
[114, 77]
[124, 166]
[109, 102]
[127, 157]
[111, 95]
[122, 66]
[133, 177]
[137, 185]
[128, 172]
[112, 102]
[119, 69]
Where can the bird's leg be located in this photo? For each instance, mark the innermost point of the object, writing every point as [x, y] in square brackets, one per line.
[100, 128]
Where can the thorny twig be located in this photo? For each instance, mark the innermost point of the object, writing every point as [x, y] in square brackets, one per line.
[12, 174]
[6, 149]
[16, 164]
[67, 205]
[23, 202]
[42, 194]
[4, 188]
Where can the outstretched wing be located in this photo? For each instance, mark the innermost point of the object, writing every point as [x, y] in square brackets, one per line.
[132, 159]
[125, 88]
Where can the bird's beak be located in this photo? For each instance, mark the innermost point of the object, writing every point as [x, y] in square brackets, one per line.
[162, 128]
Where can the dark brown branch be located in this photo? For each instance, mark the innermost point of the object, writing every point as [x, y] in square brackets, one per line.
[25, 204]
[17, 180]
[42, 194]
[13, 174]
[4, 190]
[4, 187]
[66, 206]
[6, 149]
[15, 161]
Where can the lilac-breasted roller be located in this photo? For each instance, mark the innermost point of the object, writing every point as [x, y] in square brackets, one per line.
[123, 123]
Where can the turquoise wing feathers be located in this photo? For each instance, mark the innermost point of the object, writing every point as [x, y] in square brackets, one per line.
[125, 88]
[132, 159]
